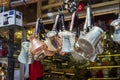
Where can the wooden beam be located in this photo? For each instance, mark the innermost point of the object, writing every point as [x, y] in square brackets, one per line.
[105, 4]
[81, 15]
[51, 6]
[92, 6]
[27, 2]
[97, 12]
[22, 3]
[54, 13]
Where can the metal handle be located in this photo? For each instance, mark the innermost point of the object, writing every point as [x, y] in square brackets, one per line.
[62, 21]
[72, 21]
[36, 26]
[56, 22]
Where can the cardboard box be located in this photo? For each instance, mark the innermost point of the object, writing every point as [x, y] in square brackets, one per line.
[11, 18]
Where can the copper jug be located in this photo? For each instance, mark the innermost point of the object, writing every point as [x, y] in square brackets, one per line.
[49, 53]
[37, 46]
[53, 41]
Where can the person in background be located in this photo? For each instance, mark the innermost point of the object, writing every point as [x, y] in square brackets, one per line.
[36, 71]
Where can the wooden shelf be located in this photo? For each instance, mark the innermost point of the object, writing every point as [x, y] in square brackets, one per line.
[51, 6]
[66, 12]
[65, 73]
[27, 2]
[98, 9]
[22, 3]
[57, 72]
[72, 74]
[109, 55]
[97, 67]
[103, 79]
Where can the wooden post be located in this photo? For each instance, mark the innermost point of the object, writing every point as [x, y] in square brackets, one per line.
[50, 2]
[39, 8]
[11, 62]
[22, 66]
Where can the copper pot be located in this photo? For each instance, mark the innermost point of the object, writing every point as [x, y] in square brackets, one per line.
[53, 41]
[37, 46]
[49, 53]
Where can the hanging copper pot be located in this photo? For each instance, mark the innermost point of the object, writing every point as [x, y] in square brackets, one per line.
[53, 41]
[49, 53]
[37, 46]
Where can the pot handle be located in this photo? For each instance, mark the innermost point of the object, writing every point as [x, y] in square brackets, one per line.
[39, 28]
[62, 21]
[76, 25]
[43, 29]
[89, 22]
[72, 21]
[35, 33]
[56, 22]
[36, 27]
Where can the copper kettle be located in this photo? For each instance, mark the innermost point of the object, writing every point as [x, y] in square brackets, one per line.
[53, 41]
[37, 46]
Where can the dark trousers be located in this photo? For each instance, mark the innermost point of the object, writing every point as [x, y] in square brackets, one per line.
[40, 78]
[37, 78]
